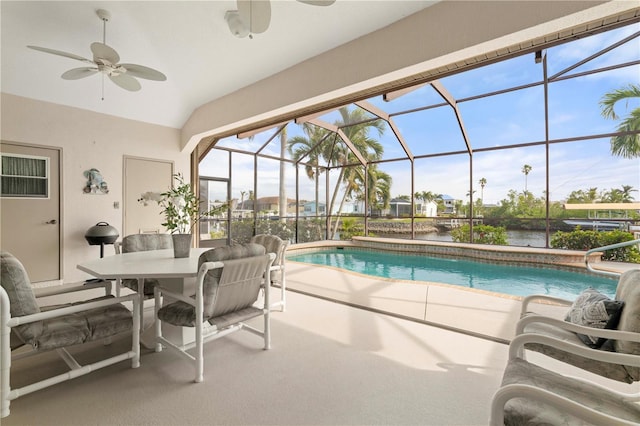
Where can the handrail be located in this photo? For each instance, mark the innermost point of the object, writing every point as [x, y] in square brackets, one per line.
[604, 248]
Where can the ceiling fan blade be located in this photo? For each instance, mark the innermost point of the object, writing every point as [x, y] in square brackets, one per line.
[60, 53]
[126, 82]
[144, 72]
[256, 14]
[102, 51]
[78, 73]
[318, 2]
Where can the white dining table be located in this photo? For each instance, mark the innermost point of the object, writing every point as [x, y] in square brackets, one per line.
[178, 274]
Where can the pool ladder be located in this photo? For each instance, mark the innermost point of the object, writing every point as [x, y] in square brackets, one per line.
[605, 248]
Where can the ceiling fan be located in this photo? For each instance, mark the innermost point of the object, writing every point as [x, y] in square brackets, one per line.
[254, 16]
[106, 61]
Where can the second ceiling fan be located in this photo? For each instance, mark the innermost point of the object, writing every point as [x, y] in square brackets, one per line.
[254, 16]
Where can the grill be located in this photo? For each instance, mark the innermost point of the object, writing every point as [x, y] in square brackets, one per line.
[100, 234]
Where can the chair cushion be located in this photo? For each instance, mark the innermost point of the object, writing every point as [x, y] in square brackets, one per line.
[522, 411]
[15, 281]
[146, 242]
[628, 290]
[80, 327]
[227, 302]
[605, 369]
[273, 244]
[149, 283]
[594, 309]
[242, 262]
[184, 315]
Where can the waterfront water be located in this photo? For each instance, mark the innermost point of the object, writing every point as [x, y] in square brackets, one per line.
[514, 238]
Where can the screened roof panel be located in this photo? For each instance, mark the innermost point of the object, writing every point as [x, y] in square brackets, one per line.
[431, 131]
[566, 55]
[506, 119]
[404, 100]
[518, 71]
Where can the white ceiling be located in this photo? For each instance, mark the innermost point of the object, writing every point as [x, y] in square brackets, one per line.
[189, 41]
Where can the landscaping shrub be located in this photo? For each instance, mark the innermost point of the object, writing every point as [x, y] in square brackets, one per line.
[586, 240]
[482, 234]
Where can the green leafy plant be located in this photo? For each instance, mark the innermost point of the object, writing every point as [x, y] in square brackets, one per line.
[586, 240]
[180, 206]
[482, 234]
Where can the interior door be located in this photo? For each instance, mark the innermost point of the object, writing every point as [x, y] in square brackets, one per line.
[142, 175]
[30, 208]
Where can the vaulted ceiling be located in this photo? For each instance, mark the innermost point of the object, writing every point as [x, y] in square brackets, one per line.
[189, 41]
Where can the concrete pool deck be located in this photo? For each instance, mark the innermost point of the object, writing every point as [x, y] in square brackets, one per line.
[471, 311]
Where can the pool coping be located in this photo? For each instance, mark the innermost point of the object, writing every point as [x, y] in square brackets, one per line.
[573, 260]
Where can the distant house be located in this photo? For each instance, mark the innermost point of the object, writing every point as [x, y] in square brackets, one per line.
[309, 209]
[399, 207]
[350, 207]
[428, 209]
[449, 204]
[269, 205]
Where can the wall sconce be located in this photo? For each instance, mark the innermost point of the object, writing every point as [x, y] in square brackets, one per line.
[236, 26]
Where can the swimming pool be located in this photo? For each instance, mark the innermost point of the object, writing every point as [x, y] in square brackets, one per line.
[506, 279]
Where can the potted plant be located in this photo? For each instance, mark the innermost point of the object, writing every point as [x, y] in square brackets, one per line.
[181, 209]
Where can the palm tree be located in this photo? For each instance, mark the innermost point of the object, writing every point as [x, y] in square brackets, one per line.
[526, 169]
[378, 184]
[626, 146]
[483, 183]
[306, 148]
[357, 129]
[282, 195]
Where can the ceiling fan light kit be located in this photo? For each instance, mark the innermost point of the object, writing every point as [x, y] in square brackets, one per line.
[254, 16]
[107, 62]
[236, 25]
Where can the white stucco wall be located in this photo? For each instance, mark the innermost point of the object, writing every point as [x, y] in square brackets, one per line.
[87, 139]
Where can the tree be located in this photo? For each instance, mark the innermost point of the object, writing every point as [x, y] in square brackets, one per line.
[483, 183]
[580, 196]
[619, 195]
[526, 169]
[307, 149]
[282, 195]
[627, 145]
[357, 129]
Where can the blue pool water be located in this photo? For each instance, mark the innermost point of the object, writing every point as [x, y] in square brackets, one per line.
[507, 279]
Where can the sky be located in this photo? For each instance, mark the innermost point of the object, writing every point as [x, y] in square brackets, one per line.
[495, 121]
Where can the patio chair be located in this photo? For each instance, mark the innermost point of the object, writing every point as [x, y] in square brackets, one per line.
[275, 244]
[227, 287]
[620, 342]
[23, 322]
[141, 242]
[532, 395]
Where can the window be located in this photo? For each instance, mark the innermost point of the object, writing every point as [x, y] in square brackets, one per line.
[24, 176]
